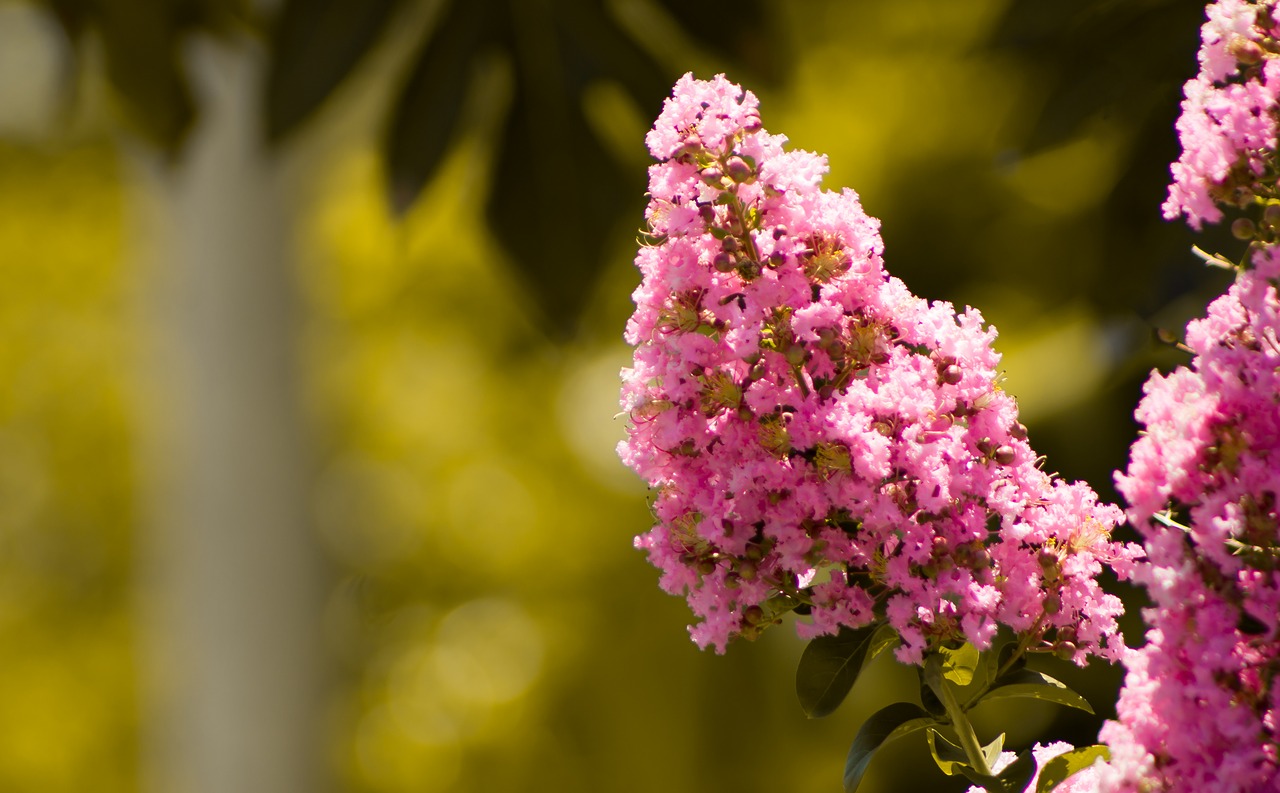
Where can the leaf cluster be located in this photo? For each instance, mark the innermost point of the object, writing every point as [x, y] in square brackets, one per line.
[831, 665]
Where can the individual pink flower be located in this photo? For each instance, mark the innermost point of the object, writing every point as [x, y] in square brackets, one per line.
[817, 438]
[1198, 709]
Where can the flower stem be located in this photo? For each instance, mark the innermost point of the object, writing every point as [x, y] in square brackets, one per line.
[959, 721]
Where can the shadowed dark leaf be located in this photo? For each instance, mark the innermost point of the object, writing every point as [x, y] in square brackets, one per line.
[430, 104]
[830, 665]
[141, 51]
[315, 45]
[887, 724]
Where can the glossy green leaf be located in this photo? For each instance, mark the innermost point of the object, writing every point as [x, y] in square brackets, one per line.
[830, 665]
[959, 664]
[1064, 765]
[1012, 779]
[949, 756]
[1036, 685]
[991, 752]
[887, 724]
[315, 45]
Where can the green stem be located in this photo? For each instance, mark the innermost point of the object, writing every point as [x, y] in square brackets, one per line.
[959, 721]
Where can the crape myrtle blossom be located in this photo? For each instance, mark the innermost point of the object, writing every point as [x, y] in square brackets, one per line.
[819, 439]
[1229, 116]
[1199, 708]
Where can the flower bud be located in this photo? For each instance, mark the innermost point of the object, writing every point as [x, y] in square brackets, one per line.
[1245, 50]
[951, 375]
[738, 170]
[1243, 229]
[1053, 604]
[1005, 455]
[724, 262]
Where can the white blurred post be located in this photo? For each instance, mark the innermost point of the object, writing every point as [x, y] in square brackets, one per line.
[233, 582]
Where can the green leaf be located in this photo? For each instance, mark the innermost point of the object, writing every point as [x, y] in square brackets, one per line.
[885, 638]
[1036, 685]
[430, 103]
[958, 665]
[741, 33]
[830, 666]
[315, 45]
[991, 752]
[947, 755]
[1064, 765]
[889, 723]
[1013, 779]
[140, 45]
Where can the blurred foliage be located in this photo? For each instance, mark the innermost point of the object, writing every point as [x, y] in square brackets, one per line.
[557, 56]
[69, 719]
[495, 628]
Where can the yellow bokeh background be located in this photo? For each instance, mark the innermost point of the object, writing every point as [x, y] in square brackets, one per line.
[490, 625]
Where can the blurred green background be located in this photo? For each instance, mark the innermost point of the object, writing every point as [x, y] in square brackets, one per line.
[483, 623]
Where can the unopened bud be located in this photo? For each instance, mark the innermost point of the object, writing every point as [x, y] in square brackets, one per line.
[706, 566]
[1018, 430]
[711, 176]
[1245, 50]
[738, 169]
[1052, 604]
[1271, 215]
[753, 615]
[1005, 455]
[795, 354]
[724, 262]
[707, 213]
[1243, 229]
[747, 570]
[952, 375]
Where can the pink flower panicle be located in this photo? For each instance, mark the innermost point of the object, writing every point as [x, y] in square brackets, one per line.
[1229, 115]
[1199, 707]
[818, 438]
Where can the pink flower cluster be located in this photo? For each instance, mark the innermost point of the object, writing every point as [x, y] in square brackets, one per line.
[1201, 702]
[819, 439]
[1229, 115]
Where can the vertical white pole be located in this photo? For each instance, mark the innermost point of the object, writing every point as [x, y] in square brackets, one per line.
[233, 582]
